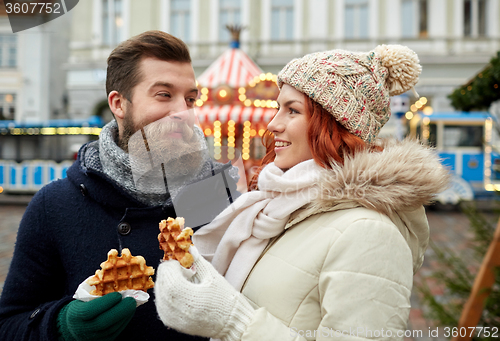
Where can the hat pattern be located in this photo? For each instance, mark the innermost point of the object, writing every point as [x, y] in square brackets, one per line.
[355, 87]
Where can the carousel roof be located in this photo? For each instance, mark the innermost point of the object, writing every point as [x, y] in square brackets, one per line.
[237, 113]
[234, 68]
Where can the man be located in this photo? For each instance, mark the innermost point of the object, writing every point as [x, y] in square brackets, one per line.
[71, 224]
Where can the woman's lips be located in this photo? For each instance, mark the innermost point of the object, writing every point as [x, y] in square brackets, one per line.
[282, 147]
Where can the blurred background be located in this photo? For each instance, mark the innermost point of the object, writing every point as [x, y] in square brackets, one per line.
[52, 98]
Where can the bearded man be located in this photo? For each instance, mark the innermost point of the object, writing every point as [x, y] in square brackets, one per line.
[110, 199]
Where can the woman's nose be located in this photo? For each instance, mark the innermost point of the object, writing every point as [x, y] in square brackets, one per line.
[276, 124]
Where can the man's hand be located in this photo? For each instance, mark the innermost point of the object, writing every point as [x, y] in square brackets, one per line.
[101, 319]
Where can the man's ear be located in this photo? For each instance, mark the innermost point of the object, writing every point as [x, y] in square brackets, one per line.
[117, 104]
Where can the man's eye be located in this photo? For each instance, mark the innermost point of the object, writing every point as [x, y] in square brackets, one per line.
[164, 94]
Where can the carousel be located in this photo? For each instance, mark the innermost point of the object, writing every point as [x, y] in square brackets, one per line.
[237, 100]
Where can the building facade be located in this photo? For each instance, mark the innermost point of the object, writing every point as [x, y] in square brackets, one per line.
[32, 84]
[453, 38]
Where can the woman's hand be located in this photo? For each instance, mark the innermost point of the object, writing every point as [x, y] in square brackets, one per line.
[200, 302]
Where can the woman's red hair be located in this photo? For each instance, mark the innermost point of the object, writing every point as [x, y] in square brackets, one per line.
[329, 141]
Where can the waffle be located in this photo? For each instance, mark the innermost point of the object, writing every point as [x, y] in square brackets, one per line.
[175, 241]
[122, 273]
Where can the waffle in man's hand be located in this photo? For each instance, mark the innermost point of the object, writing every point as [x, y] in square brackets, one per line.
[122, 273]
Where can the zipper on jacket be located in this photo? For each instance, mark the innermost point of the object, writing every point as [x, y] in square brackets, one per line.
[272, 241]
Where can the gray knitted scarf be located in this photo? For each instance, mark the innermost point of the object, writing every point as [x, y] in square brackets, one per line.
[106, 157]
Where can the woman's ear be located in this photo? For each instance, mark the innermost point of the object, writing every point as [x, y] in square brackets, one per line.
[116, 103]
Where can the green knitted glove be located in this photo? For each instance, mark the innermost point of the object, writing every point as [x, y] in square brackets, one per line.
[101, 319]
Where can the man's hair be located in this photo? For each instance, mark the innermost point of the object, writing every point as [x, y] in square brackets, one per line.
[123, 72]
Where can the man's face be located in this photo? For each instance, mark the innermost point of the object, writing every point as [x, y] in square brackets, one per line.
[167, 89]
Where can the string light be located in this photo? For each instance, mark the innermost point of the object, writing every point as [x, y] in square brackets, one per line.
[246, 140]
[217, 140]
[428, 111]
[230, 139]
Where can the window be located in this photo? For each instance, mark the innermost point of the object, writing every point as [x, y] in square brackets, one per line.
[414, 18]
[112, 22]
[463, 136]
[8, 50]
[230, 14]
[356, 19]
[474, 18]
[7, 106]
[282, 26]
[180, 19]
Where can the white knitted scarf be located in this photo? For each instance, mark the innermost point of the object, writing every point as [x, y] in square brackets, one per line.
[236, 238]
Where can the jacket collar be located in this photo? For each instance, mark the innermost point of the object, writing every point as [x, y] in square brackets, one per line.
[403, 177]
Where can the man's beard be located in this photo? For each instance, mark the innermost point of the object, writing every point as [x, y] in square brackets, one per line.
[156, 157]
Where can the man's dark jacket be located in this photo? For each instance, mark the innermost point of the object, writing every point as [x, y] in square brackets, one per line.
[65, 234]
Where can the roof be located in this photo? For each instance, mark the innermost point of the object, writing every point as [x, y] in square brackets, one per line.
[237, 113]
[234, 68]
[460, 116]
[92, 121]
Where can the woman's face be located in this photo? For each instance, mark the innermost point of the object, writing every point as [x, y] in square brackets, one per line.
[289, 127]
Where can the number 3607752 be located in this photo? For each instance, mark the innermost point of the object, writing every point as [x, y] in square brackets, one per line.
[464, 331]
[32, 8]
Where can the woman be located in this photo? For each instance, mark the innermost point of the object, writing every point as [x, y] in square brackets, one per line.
[328, 244]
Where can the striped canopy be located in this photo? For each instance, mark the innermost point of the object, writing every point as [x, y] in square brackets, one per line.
[237, 113]
[234, 68]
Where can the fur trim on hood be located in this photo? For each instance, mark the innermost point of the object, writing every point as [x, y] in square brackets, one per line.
[395, 182]
[404, 176]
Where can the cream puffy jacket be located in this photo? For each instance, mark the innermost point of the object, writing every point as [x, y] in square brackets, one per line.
[343, 269]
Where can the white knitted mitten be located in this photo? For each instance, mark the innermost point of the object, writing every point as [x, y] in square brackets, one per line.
[201, 303]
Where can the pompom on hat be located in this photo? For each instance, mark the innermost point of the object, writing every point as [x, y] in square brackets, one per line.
[355, 87]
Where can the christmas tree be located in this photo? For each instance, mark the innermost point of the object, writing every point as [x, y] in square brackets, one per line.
[457, 273]
[481, 91]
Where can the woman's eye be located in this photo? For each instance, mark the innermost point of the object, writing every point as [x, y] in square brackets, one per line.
[290, 110]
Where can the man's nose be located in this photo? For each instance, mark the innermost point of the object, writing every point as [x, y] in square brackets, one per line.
[180, 111]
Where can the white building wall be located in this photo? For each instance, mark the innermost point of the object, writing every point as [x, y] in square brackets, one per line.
[447, 57]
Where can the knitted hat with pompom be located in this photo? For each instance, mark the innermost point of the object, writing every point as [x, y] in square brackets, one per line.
[355, 87]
